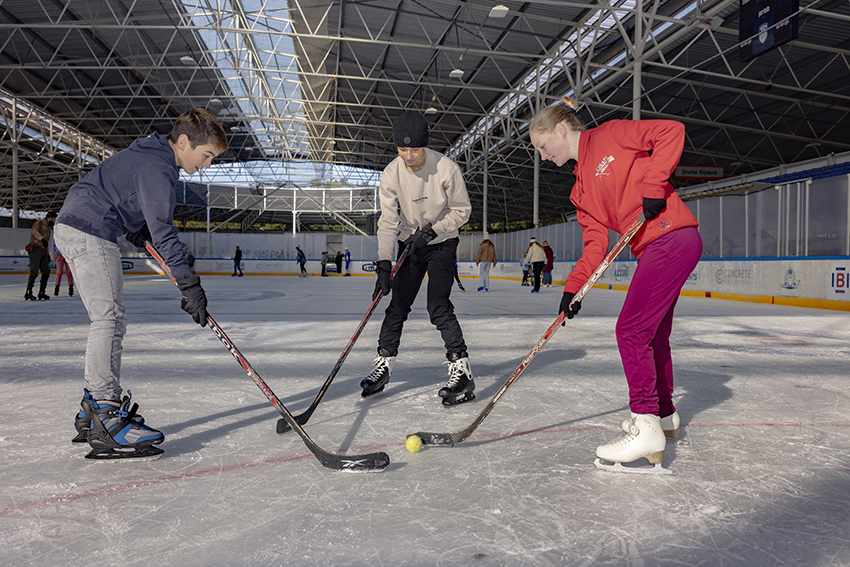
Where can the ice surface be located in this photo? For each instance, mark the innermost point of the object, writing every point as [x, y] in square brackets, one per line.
[761, 474]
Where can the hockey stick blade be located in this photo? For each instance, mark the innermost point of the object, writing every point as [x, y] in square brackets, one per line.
[463, 434]
[369, 462]
[304, 417]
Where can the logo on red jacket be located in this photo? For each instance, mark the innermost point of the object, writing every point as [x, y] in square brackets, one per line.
[603, 166]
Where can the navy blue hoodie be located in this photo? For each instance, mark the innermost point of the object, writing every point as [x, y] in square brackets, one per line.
[122, 193]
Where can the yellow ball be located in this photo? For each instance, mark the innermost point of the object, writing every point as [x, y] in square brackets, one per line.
[413, 444]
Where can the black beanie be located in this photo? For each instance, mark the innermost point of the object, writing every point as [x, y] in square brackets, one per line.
[410, 130]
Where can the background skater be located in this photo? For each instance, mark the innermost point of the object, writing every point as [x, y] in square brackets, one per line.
[39, 255]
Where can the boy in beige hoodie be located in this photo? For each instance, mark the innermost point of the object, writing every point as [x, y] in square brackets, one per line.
[423, 204]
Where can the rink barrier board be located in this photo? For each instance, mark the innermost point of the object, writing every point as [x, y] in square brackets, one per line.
[820, 283]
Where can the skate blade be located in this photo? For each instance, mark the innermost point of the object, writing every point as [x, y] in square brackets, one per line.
[363, 394]
[470, 397]
[618, 467]
[144, 453]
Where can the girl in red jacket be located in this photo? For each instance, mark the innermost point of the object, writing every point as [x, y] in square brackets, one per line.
[622, 170]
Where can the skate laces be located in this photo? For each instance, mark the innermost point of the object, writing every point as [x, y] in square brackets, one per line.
[457, 370]
[381, 363]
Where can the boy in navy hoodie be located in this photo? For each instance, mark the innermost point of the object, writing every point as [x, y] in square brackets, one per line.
[130, 194]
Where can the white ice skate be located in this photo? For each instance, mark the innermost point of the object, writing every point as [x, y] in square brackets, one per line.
[644, 439]
[669, 424]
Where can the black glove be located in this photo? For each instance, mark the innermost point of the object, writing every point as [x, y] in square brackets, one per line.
[44, 241]
[571, 312]
[138, 238]
[194, 300]
[653, 207]
[421, 237]
[383, 268]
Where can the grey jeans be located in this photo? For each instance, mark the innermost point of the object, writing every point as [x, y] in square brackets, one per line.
[96, 264]
[484, 274]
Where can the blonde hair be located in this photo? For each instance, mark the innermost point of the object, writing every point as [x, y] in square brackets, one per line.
[551, 116]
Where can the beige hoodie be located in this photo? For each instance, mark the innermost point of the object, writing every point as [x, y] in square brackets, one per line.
[435, 194]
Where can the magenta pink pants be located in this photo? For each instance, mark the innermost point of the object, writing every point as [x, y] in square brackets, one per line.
[643, 329]
[62, 265]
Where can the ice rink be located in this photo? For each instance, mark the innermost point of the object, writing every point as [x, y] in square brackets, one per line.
[760, 472]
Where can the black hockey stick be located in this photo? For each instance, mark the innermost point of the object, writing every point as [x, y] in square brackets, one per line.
[282, 424]
[368, 462]
[463, 434]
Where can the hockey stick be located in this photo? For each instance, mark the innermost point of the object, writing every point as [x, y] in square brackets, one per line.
[282, 424]
[368, 462]
[463, 434]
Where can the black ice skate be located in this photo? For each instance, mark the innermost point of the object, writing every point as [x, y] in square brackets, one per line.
[82, 421]
[43, 296]
[380, 375]
[56, 290]
[71, 290]
[29, 296]
[459, 389]
[117, 433]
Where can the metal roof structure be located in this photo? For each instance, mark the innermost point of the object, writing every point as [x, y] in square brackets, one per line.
[320, 82]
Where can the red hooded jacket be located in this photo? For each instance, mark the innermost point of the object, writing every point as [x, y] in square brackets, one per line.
[619, 164]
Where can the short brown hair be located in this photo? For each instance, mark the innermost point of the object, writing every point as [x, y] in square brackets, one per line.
[201, 127]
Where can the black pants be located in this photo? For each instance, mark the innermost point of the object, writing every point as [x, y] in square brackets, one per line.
[438, 261]
[537, 268]
[39, 262]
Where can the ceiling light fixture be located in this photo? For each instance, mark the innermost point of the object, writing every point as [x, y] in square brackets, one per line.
[430, 110]
[499, 11]
[186, 60]
[456, 74]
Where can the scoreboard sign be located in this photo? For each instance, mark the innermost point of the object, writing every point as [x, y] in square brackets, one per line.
[765, 24]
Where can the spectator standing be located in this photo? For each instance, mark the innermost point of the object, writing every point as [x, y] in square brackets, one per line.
[485, 257]
[190, 258]
[325, 261]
